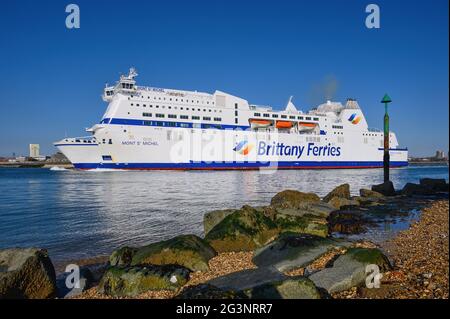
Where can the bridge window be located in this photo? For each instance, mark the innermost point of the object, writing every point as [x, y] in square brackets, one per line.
[217, 119]
[172, 116]
[184, 117]
[160, 115]
[283, 116]
[206, 118]
[196, 117]
[147, 114]
[266, 115]
[107, 157]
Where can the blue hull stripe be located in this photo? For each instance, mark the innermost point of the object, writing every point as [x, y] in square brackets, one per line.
[237, 165]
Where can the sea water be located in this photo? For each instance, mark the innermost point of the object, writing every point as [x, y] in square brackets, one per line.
[81, 214]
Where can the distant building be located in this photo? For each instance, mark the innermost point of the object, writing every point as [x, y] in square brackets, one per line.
[440, 155]
[34, 150]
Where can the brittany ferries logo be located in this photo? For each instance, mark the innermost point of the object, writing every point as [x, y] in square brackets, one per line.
[243, 148]
[354, 118]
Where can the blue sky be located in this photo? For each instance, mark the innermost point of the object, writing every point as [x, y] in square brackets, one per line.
[52, 77]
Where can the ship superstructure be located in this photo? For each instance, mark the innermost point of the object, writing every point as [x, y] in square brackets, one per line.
[155, 128]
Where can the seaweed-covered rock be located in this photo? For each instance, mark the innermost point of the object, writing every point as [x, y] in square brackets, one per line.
[342, 191]
[340, 202]
[132, 281]
[349, 269]
[315, 209]
[386, 188]
[436, 184]
[367, 201]
[243, 230]
[293, 199]
[306, 224]
[290, 251]
[189, 251]
[292, 288]
[211, 219]
[207, 291]
[122, 256]
[26, 273]
[369, 193]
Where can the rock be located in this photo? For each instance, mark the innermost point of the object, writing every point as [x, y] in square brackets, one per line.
[303, 225]
[207, 291]
[340, 202]
[367, 201]
[293, 199]
[436, 184]
[122, 256]
[26, 273]
[211, 219]
[386, 189]
[317, 209]
[290, 251]
[132, 281]
[247, 279]
[369, 193]
[347, 222]
[189, 251]
[342, 191]
[349, 269]
[243, 230]
[292, 288]
[415, 189]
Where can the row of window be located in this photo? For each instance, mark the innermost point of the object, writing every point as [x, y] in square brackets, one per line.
[184, 125]
[176, 108]
[176, 100]
[182, 117]
[370, 134]
[339, 127]
[283, 116]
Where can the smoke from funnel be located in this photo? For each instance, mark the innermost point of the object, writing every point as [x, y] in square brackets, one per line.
[323, 91]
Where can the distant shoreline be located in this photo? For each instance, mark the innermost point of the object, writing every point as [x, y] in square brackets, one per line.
[30, 164]
[34, 165]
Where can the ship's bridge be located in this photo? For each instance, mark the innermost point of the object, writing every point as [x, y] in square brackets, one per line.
[126, 84]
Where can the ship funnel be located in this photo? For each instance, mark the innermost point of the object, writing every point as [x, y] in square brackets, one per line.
[290, 107]
[351, 104]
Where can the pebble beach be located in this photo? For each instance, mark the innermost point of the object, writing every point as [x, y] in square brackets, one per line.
[420, 258]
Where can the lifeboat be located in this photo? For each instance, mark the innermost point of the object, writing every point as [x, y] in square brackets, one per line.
[260, 123]
[284, 124]
[306, 126]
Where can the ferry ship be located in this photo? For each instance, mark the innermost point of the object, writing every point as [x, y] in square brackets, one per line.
[147, 128]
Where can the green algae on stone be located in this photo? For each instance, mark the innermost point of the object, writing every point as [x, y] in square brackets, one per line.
[189, 251]
[293, 199]
[132, 281]
[243, 230]
[370, 256]
[306, 224]
[122, 256]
